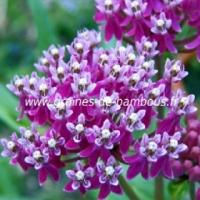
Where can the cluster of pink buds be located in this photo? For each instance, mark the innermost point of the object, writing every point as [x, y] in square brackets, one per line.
[160, 20]
[93, 104]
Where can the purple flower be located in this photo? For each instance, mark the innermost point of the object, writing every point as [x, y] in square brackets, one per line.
[17, 85]
[43, 88]
[80, 176]
[82, 84]
[173, 3]
[108, 6]
[77, 67]
[108, 103]
[150, 148]
[132, 119]
[135, 8]
[174, 70]
[11, 147]
[146, 47]
[104, 136]
[28, 136]
[108, 176]
[195, 44]
[78, 129]
[160, 25]
[171, 144]
[182, 104]
[60, 73]
[37, 157]
[60, 108]
[54, 142]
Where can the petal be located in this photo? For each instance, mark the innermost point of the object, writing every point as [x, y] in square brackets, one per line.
[42, 175]
[104, 191]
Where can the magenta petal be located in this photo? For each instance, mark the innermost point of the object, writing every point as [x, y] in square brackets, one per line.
[117, 30]
[125, 142]
[195, 43]
[169, 44]
[104, 191]
[68, 187]
[53, 172]
[42, 175]
[109, 30]
[99, 17]
[71, 145]
[198, 194]
[116, 189]
[145, 170]
[134, 170]
[167, 169]
[156, 168]
[88, 151]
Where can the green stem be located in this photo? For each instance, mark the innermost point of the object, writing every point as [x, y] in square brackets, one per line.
[159, 188]
[192, 191]
[159, 183]
[127, 189]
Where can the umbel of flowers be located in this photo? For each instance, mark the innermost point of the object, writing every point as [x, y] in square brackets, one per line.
[160, 20]
[99, 136]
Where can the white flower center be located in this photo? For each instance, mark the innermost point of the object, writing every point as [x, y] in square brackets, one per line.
[131, 56]
[176, 67]
[10, 145]
[60, 105]
[108, 3]
[107, 101]
[79, 46]
[135, 4]
[135, 77]
[106, 133]
[52, 143]
[109, 170]
[160, 23]
[75, 66]
[146, 65]
[54, 51]
[43, 87]
[79, 128]
[18, 82]
[83, 81]
[28, 134]
[44, 61]
[116, 68]
[32, 81]
[155, 92]
[60, 70]
[104, 57]
[122, 49]
[80, 175]
[184, 100]
[148, 45]
[133, 117]
[173, 143]
[152, 146]
[37, 154]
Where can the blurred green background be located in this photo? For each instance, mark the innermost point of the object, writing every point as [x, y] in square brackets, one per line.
[26, 28]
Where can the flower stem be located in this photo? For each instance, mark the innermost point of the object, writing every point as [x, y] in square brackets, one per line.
[192, 191]
[127, 189]
[159, 185]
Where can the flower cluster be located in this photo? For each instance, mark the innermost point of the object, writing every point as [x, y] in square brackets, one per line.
[160, 20]
[188, 164]
[100, 137]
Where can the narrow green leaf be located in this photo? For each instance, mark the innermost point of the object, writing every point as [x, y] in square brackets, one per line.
[44, 28]
[8, 113]
[178, 189]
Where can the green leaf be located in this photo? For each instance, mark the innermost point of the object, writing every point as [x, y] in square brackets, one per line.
[178, 189]
[44, 28]
[8, 113]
